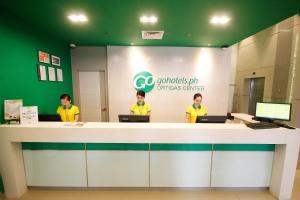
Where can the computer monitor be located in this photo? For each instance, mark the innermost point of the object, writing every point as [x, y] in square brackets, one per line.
[211, 119]
[134, 118]
[273, 111]
[49, 118]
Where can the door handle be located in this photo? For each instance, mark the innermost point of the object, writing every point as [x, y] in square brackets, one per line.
[103, 109]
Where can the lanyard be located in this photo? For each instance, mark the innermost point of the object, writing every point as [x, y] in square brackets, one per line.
[67, 116]
[141, 109]
[67, 112]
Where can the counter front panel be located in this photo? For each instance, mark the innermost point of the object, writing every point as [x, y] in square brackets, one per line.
[147, 165]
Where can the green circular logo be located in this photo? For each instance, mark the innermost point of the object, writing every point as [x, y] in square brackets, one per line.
[144, 81]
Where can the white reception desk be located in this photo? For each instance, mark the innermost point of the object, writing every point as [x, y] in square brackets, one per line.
[199, 155]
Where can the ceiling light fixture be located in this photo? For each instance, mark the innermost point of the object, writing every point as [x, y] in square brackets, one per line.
[220, 20]
[78, 18]
[148, 19]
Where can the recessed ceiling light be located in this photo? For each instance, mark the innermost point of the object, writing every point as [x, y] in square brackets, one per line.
[220, 20]
[148, 19]
[78, 18]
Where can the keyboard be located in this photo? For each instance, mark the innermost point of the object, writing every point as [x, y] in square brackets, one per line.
[262, 125]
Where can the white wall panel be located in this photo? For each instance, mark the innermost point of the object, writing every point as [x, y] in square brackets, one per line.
[210, 66]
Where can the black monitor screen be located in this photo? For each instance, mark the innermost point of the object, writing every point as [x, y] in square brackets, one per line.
[134, 118]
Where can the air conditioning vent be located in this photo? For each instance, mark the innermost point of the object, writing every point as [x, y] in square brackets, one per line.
[152, 35]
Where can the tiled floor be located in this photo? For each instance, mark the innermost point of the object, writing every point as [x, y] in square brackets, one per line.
[157, 195]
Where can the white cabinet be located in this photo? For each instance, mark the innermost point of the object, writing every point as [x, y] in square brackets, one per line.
[118, 168]
[55, 168]
[180, 168]
[242, 168]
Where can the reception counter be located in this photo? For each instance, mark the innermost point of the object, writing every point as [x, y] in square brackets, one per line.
[147, 155]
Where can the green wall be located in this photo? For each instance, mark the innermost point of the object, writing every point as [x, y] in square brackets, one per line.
[19, 45]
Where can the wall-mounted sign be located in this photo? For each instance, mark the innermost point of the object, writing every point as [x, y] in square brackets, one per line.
[145, 81]
[44, 57]
[29, 115]
[12, 109]
[171, 76]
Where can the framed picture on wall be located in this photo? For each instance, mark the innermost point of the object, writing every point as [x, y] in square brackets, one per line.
[59, 73]
[42, 73]
[12, 109]
[55, 60]
[52, 74]
[44, 57]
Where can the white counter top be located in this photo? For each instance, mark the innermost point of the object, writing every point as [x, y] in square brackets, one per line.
[146, 133]
[114, 125]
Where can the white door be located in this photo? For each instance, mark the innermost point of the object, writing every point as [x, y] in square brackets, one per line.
[91, 106]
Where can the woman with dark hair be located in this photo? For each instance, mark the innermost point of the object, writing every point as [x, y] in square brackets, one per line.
[67, 111]
[195, 110]
[140, 107]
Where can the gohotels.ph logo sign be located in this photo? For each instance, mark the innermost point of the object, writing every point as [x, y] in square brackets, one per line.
[144, 81]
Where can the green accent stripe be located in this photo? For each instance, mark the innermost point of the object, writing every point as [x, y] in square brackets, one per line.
[1, 185]
[145, 146]
[180, 147]
[118, 146]
[244, 147]
[52, 146]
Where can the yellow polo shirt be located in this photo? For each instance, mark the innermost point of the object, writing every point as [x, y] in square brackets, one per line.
[68, 114]
[143, 109]
[195, 112]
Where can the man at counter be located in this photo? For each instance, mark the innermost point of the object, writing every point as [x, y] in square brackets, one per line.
[67, 111]
[195, 110]
[140, 108]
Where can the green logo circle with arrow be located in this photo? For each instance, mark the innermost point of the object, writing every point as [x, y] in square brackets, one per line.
[144, 81]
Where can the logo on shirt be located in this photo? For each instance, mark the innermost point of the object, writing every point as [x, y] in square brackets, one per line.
[144, 81]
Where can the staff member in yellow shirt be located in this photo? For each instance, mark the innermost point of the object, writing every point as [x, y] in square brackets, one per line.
[140, 108]
[67, 111]
[195, 110]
